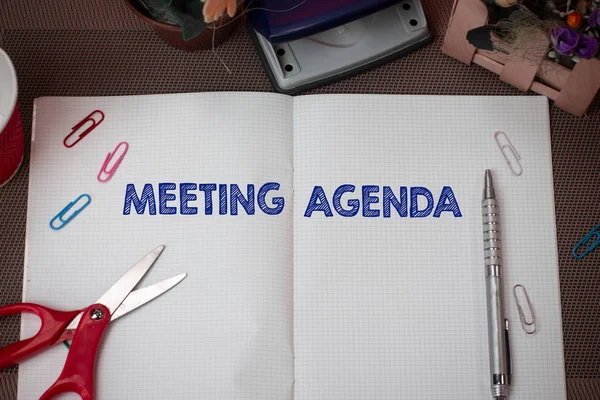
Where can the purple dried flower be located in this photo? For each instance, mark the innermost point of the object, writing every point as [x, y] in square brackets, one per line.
[587, 48]
[564, 39]
[594, 18]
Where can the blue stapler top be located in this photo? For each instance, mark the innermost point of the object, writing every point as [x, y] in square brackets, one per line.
[286, 20]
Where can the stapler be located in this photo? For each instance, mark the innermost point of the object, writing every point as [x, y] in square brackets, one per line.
[304, 44]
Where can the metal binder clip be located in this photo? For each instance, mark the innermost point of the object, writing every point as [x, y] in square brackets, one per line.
[80, 124]
[528, 325]
[585, 242]
[110, 172]
[509, 152]
[65, 210]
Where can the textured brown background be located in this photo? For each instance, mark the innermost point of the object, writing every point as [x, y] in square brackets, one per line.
[85, 48]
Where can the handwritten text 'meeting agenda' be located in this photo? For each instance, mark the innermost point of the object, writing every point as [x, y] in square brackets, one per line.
[346, 201]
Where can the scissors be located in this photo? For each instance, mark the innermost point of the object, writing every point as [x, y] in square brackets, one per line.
[85, 327]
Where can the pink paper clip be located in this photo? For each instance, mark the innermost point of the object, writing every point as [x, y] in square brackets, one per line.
[80, 124]
[109, 173]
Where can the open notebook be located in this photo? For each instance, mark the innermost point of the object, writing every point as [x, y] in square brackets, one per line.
[297, 289]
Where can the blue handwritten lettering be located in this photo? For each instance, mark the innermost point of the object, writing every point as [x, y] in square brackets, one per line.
[207, 188]
[401, 205]
[223, 199]
[185, 197]
[237, 196]
[318, 202]
[163, 197]
[447, 195]
[368, 200]
[414, 202]
[262, 203]
[139, 203]
[370, 196]
[354, 204]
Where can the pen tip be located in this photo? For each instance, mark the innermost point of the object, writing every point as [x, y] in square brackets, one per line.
[488, 178]
[488, 191]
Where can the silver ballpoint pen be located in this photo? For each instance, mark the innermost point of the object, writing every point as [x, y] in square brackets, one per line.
[497, 323]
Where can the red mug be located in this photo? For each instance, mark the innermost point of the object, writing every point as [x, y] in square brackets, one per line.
[11, 130]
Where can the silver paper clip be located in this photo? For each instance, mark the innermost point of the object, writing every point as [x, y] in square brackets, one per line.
[509, 152]
[67, 208]
[528, 325]
[585, 242]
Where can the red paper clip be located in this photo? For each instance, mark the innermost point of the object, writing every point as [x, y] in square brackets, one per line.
[109, 173]
[77, 127]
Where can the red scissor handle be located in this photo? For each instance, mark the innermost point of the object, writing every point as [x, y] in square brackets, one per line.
[53, 324]
[77, 375]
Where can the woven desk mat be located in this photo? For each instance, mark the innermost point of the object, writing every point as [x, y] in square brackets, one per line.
[98, 48]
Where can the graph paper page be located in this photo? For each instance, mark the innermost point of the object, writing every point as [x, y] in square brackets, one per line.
[225, 332]
[394, 308]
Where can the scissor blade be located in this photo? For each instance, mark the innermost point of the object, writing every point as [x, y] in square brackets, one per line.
[142, 296]
[136, 299]
[114, 296]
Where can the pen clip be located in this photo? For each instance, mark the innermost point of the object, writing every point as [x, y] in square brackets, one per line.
[507, 341]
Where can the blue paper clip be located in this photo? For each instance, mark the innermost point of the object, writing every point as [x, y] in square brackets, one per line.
[594, 232]
[67, 209]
